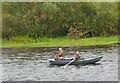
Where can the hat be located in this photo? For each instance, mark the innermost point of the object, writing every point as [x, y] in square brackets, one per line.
[60, 49]
[77, 52]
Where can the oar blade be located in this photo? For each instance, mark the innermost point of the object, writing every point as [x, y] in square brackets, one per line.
[69, 63]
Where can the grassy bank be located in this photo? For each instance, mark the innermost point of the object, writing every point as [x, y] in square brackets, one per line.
[63, 42]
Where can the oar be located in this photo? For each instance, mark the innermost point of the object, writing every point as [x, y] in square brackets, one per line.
[69, 63]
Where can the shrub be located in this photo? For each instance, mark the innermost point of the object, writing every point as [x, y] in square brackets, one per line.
[42, 39]
[78, 30]
[21, 39]
[74, 33]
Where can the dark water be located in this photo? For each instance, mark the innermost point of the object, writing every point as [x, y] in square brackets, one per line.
[32, 64]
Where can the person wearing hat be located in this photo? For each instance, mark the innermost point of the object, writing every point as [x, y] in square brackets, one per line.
[60, 54]
[77, 55]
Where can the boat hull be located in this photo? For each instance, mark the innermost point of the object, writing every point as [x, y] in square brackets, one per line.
[77, 62]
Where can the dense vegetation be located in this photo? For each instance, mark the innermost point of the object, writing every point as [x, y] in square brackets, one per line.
[39, 19]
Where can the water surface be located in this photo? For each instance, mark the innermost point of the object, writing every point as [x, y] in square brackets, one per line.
[32, 64]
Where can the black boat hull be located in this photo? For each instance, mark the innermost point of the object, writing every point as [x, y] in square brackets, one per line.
[77, 62]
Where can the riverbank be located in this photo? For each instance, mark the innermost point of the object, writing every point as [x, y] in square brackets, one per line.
[63, 42]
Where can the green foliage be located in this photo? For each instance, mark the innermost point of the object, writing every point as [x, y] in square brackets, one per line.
[77, 31]
[73, 33]
[22, 39]
[42, 39]
[47, 19]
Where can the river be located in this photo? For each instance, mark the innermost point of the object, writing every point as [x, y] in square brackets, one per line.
[23, 64]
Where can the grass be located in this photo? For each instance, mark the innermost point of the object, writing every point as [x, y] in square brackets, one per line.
[63, 42]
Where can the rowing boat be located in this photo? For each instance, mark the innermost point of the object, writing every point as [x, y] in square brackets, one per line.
[76, 62]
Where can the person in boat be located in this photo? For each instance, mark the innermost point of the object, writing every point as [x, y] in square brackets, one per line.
[77, 55]
[60, 54]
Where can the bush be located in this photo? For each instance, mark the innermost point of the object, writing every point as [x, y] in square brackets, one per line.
[42, 39]
[74, 33]
[21, 39]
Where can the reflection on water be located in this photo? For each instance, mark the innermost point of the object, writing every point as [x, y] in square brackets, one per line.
[32, 64]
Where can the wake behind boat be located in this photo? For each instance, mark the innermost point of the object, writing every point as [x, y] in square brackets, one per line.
[77, 62]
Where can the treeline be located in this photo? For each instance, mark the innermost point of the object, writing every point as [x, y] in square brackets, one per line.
[45, 19]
